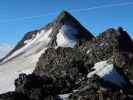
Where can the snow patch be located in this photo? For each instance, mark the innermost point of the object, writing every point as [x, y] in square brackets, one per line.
[66, 36]
[64, 96]
[103, 45]
[88, 51]
[108, 72]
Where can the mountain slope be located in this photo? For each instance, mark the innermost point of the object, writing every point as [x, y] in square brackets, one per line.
[65, 31]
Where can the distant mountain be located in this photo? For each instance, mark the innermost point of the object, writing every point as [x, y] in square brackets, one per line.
[64, 61]
[5, 49]
[64, 31]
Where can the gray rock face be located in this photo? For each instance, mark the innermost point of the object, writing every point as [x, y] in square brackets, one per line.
[62, 61]
[66, 66]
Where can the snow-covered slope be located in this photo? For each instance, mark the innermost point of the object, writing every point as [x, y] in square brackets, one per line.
[33, 46]
[108, 72]
[22, 60]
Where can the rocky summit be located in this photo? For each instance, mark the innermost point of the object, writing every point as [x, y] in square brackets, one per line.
[64, 31]
[74, 64]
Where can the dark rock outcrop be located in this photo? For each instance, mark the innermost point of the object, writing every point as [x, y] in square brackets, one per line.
[66, 66]
[62, 61]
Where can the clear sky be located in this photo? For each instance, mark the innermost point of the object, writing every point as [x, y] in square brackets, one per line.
[14, 22]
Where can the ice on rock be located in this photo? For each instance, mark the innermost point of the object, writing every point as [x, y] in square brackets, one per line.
[108, 72]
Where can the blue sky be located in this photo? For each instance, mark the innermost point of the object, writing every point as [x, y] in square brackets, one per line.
[13, 24]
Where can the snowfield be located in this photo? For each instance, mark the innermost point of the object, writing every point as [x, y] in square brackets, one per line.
[108, 72]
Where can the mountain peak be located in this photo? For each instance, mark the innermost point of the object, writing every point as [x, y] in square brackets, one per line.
[114, 33]
[65, 18]
[120, 28]
[64, 31]
[64, 15]
[118, 37]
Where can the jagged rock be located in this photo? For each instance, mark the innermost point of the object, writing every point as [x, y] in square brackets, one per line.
[107, 43]
[61, 59]
[65, 65]
[114, 44]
